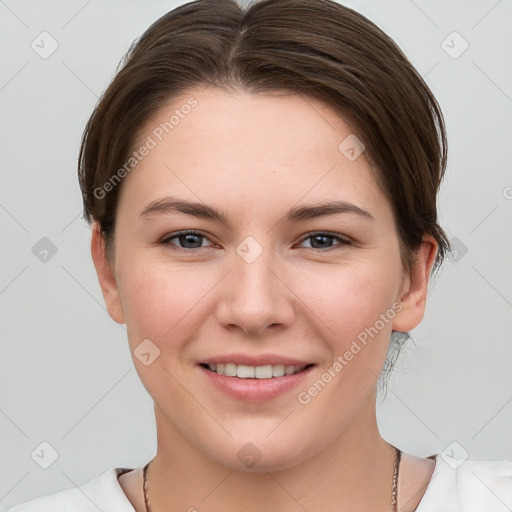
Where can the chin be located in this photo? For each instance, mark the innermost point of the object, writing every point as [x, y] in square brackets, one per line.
[260, 457]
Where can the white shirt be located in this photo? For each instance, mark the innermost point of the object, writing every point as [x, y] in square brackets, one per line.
[474, 486]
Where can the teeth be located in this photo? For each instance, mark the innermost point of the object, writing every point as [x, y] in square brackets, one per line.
[245, 372]
[263, 372]
[278, 370]
[230, 370]
[254, 372]
[289, 370]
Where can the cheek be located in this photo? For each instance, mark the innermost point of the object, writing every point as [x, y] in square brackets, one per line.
[349, 299]
[356, 304]
[160, 301]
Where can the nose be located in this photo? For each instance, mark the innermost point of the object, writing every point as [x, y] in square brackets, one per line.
[256, 296]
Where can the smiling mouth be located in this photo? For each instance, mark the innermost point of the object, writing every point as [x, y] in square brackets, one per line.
[268, 371]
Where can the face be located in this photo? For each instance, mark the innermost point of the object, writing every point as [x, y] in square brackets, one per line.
[227, 260]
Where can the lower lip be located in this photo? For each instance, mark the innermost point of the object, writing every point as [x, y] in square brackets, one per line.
[255, 390]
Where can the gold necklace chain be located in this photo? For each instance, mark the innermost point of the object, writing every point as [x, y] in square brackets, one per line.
[394, 488]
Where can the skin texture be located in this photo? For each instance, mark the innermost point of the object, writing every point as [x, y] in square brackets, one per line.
[255, 157]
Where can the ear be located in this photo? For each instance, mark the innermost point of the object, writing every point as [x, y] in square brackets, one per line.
[106, 275]
[413, 294]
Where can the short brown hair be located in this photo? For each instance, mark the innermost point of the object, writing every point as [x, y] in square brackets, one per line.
[313, 47]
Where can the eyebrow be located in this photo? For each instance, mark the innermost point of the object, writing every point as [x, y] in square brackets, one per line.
[169, 205]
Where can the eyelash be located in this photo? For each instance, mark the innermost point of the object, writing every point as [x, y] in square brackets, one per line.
[343, 240]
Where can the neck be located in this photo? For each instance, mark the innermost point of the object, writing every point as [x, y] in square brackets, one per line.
[354, 472]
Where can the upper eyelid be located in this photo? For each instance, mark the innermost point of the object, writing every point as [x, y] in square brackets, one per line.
[340, 236]
[185, 232]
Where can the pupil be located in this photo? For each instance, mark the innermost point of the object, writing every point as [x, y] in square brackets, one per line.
[320, 237]
[189, 239]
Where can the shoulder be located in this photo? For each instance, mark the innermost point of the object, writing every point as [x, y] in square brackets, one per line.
[469, 486]
[101, 493]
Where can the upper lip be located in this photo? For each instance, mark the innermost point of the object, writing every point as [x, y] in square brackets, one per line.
[255, 360]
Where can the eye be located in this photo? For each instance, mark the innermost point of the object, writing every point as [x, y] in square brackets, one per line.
[322, 240]
[186, 240]
[190, 240]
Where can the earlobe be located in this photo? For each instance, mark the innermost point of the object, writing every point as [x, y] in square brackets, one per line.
[106, 275]
[414, 293]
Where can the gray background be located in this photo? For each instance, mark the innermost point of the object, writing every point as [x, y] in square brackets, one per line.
[66, 373]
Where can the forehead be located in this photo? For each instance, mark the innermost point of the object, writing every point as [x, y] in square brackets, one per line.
[211, 116]
[272, 147]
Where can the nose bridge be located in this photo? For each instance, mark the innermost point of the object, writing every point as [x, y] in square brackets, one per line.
[254, 279]
[256, 297]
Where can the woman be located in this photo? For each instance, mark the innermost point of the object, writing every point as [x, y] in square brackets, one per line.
[262, 192]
